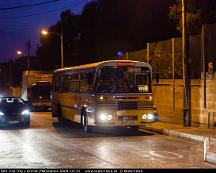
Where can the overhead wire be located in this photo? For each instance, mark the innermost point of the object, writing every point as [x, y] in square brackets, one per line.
[15, 29]
[27, 5]
[45, 12]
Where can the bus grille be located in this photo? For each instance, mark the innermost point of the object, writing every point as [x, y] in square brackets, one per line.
[127, 105]
[145, 104]
[128, 118]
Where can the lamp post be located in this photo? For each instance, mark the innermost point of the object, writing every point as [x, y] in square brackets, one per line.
[45, 33]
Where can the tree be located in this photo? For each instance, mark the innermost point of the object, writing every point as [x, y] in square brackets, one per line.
[49, 49]
[110, 26]
[198, 12]
[106, 27]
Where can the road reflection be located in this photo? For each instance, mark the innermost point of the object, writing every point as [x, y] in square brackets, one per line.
[75, 130]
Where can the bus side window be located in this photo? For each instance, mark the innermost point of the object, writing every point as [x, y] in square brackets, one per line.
[74, 83]
[65, 82]
[84, 86]
[57, 83]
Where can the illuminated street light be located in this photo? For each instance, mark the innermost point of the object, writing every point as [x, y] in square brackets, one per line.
[19, 52]
[45, 33]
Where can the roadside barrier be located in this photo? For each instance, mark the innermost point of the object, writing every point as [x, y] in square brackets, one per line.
[210, 150]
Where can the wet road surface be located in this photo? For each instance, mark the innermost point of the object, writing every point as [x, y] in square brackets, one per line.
[49, 144]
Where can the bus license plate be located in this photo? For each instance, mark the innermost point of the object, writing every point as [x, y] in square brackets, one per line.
[126, 123]
[13, 122]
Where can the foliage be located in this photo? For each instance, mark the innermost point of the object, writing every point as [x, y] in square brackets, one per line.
[104, 28]
[198, 12]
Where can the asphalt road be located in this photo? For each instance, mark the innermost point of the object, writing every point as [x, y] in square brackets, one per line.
[48, 144]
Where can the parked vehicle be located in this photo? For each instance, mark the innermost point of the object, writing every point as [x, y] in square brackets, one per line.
[36, 88]
[13, 110]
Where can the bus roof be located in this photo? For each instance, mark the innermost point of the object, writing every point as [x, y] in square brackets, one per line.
[102, 63]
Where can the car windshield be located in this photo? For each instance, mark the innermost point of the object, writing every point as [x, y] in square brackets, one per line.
[11, 100]
[123, 79]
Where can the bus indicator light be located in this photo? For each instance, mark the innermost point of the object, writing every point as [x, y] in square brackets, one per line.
[125, 63]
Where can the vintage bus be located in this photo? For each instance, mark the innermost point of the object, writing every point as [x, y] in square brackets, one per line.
[108, 93]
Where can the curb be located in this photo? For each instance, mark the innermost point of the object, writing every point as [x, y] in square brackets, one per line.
[209, 155]
[176, 134]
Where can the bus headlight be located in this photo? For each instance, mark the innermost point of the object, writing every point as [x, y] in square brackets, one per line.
[150, 116]
[144, 117]
[147, 116]
[105, 117]
[109, 117]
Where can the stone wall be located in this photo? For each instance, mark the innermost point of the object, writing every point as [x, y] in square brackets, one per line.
[168, 98]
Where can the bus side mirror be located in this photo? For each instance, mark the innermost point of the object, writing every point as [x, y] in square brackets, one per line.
[157, 78]
[89, 78]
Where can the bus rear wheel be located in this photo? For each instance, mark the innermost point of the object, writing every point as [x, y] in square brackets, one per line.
[59, 114]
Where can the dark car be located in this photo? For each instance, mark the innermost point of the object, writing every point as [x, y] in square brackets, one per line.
[13, 110]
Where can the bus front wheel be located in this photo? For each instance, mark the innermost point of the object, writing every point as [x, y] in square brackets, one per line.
[84, 121]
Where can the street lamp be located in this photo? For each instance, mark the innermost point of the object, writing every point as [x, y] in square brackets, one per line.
[45, 33]
[19, 52]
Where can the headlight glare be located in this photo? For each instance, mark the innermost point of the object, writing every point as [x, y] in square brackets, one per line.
[109, 117]
[25, 112]
[1, 113]
[103, 117]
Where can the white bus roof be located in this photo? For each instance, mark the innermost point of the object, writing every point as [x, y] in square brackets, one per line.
[103, 63]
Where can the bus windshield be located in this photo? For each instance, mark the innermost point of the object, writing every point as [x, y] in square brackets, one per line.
[123, 79]
[41, 92]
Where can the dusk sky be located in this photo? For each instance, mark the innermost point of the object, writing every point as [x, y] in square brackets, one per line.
[18, 25]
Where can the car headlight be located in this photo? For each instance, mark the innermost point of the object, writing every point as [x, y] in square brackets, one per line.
[105, 117]
[25, 112]
[1, 113]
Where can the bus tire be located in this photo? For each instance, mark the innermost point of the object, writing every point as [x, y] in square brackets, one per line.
[84, 116]
[54, 114]
[59, 113]
[89, 128]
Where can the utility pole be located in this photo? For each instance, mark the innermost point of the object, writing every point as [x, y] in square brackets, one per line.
[186, 75]
[28, 58]
[203, 63]
[62, 45]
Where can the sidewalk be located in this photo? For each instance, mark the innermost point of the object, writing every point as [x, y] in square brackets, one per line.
[191, 133]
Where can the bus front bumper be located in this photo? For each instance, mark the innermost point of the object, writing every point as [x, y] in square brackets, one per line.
[127, 118]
